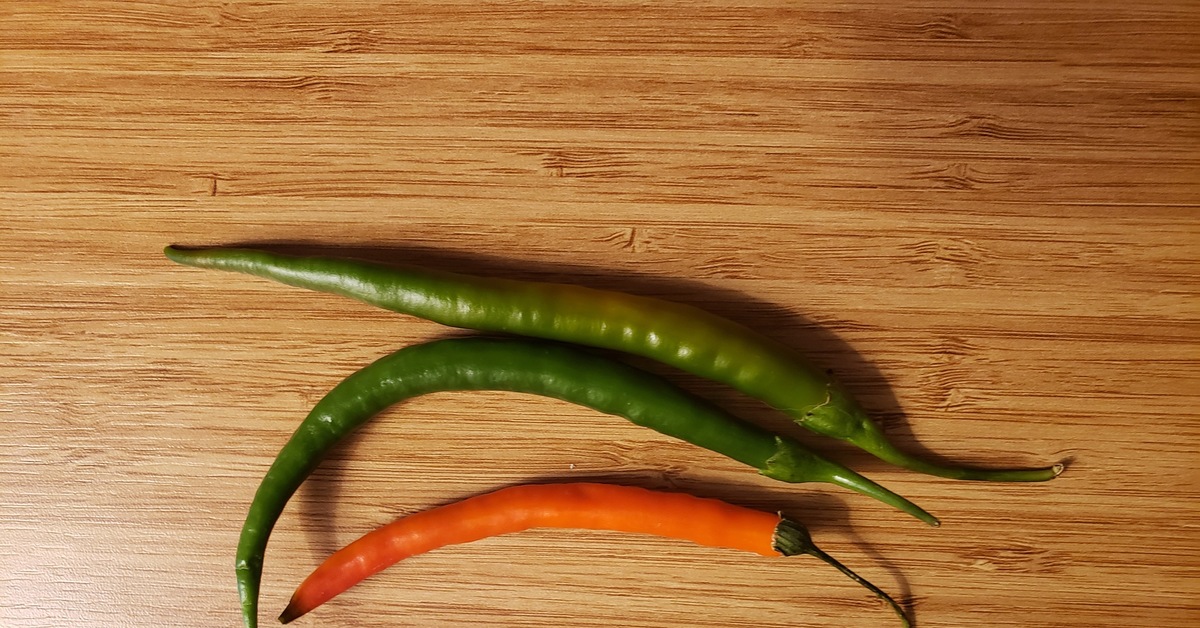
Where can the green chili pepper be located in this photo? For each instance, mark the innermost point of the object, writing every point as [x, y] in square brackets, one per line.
[682, 336]
[521, 365]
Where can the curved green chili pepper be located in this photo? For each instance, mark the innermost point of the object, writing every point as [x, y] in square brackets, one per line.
[521, 365]
[682, 336]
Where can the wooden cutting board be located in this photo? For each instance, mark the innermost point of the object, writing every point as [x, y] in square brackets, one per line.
[983, 217]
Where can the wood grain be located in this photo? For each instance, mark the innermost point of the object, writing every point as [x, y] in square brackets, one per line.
[982, 216]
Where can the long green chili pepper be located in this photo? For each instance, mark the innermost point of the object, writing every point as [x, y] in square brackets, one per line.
[529, 366]
[682, 336]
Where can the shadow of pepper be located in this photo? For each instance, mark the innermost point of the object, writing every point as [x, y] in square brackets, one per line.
[318, 498]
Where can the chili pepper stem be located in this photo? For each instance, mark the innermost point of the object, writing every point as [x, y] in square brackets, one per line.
[861, 484]
[792, 539]
[793, 463]
[885, 450]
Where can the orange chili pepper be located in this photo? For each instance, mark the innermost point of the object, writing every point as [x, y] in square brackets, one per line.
[590, 506]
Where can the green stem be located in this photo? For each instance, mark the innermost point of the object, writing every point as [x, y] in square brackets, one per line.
[792, 462]
[856, 482]
[792, 539]
[885, 450]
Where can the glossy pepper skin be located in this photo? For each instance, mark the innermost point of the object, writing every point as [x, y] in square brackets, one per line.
[583, 505]
[528, 366]
[680, 335]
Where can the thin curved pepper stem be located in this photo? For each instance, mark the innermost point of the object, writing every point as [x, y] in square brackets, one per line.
[792, 539]
[873, 441]
[856, 482]
[864, 582]
[794, 463]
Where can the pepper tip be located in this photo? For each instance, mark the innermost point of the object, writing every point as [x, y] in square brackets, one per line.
[172, 252]
[290, 614]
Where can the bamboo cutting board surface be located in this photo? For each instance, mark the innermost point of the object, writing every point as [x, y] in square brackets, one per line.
[981, 216]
